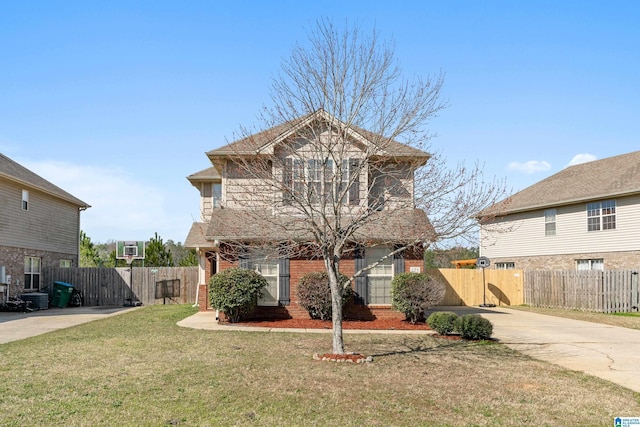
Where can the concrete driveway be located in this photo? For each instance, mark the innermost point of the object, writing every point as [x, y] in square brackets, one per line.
[608, 352]
[18, 326]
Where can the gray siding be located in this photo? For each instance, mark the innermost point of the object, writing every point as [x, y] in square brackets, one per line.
[50, 224]
[523, 234]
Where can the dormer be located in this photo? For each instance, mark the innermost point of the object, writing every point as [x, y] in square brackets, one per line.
[209, 183]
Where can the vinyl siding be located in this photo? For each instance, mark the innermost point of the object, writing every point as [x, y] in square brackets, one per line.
[524, 234]
[50, 224]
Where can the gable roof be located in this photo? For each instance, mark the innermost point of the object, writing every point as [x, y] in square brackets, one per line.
[206, 175]
[599, 179]
[263, 142]
[17, 173]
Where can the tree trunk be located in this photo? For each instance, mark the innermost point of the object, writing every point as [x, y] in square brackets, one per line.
[332, 266]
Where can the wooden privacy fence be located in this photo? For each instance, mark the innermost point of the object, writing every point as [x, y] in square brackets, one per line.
[465, 286]
[121, 286]
[607, 291]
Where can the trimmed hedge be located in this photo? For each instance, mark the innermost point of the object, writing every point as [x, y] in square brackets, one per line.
[474, 327]
[413, 293]
[236, 292]
[314, 294]
[443, 322]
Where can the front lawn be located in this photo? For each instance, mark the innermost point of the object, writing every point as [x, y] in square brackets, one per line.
[140, 369]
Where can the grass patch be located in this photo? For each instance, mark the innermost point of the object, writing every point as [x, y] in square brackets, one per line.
[140, 369]
[625, 320]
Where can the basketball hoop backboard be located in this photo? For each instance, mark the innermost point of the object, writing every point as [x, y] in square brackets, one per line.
[130, 250]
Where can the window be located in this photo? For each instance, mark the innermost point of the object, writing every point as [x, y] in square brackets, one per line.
[312, 180]
[505, 265]
[65, 263]
[351, 178]
[601, 215]
[379, 277]
[31, 273]
[269, 270]
[217, 195]
[550, 222]
[25, 200]
[590, 264]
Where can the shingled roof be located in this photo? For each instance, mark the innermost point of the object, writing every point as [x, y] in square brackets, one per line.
[15, 172]
[253, 144]
[600, 179]
[206, 175]
[253, 225]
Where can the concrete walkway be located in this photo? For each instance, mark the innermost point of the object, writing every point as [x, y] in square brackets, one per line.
[604, 351]
[18, 326]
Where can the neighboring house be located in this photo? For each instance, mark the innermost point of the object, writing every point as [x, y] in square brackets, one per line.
[585, 217]
[241, 215]
[39, 226]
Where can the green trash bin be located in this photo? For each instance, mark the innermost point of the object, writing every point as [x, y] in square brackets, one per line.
[61, 294]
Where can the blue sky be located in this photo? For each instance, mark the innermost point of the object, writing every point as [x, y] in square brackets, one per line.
[117, 102]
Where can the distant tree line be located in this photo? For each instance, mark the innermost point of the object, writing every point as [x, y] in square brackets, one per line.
[441, 258]
[157, 254]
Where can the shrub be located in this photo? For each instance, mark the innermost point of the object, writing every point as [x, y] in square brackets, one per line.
[413, 293]
[236, 292]
[473, 327]
[442, 322]
[314, 294]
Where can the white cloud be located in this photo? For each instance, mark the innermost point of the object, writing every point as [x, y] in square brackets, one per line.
[582, 158]
[532, 166]
[122, 206]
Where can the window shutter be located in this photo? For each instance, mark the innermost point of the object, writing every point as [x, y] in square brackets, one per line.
[398, 263]
[354, 180]
[361, 292]
[284, 282]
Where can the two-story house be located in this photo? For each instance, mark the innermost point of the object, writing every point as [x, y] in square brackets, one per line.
[270, 201]
[39, 226]
[584, 217]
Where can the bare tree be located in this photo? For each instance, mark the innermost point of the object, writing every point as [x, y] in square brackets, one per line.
[317, 184]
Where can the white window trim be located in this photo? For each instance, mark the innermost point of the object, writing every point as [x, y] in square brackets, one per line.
[370, 273]
[269, 303]
[25, 200]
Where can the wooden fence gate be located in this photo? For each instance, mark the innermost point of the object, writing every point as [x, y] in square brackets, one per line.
[125, 286]
[607, 291]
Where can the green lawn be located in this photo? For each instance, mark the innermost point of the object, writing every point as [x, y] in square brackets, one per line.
[140, 369]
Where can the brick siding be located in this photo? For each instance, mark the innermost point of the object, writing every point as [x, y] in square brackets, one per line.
[612, 261]
[297, 269]
[13, 261]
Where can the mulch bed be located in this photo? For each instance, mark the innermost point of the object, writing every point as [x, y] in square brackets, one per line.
[377, 324]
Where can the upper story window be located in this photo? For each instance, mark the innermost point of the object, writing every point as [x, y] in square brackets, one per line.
[217, 195]
[25, 200]
[308, 181]
[601, 215]
[550, 222]
[590, 264]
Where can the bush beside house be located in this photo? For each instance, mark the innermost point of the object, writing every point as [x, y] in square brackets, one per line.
[236, 292]
[414, 293]
[314, 294]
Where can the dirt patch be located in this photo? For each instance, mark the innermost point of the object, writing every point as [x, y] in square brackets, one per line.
[377, 324]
